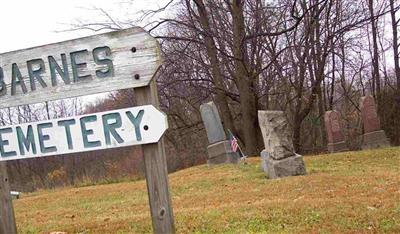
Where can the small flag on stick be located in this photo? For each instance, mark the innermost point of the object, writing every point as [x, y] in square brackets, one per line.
[235, 145]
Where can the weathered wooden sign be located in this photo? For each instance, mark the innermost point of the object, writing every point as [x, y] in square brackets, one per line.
[117, 60]
[101, 63]
[112, 129]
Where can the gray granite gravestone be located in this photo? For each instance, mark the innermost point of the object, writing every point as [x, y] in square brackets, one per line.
[336, 140]
[374, 136]
[219, 150]
[280, 159]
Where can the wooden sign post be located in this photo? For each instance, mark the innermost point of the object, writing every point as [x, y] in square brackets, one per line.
[117, 60]
[7, 218]
[156, 171]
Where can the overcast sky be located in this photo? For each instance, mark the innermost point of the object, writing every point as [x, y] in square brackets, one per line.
[26, 23]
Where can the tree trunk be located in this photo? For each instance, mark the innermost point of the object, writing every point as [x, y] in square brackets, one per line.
[244, 80]
[396, 64]
[395, 45]
[220, 96]
[375, 60]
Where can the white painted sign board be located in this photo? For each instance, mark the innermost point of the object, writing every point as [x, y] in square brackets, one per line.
[101, 63]
[118, 60]
[112, 129]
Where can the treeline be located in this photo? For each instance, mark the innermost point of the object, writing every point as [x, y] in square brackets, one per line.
[87, 168]
[302, 57]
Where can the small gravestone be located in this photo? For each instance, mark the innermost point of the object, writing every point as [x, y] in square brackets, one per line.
[279, 156]
[219, 150]
[336, 140]
[374, 136]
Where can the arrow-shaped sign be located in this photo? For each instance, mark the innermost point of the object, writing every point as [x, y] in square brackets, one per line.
[112, 129]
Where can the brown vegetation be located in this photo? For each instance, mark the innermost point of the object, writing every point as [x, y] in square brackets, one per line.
[343, 193]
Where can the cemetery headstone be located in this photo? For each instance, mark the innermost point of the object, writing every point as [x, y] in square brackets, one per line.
[336, 140]
[220, 150]
[374, 136]
[280, 157]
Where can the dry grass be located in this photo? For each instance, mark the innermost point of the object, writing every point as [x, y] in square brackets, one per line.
[355, 192]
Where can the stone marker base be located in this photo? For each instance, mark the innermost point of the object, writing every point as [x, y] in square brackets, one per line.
[337, 147]
[373, 140]
[292, 166]
[264, 158]
[220, 153]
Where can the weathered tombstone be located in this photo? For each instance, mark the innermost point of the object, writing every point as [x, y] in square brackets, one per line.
[336, 140]
[219, 150]
[374, 136]
[280, 157]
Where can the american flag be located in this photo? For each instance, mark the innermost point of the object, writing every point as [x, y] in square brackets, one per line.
[235, 146]
[234, 143]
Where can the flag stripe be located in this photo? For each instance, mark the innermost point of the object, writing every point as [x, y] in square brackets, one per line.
[234, 144]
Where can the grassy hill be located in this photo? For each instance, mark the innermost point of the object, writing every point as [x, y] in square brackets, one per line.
[355, 192]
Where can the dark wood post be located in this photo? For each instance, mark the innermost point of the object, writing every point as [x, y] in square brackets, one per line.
[7, 219]
[156, 170]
